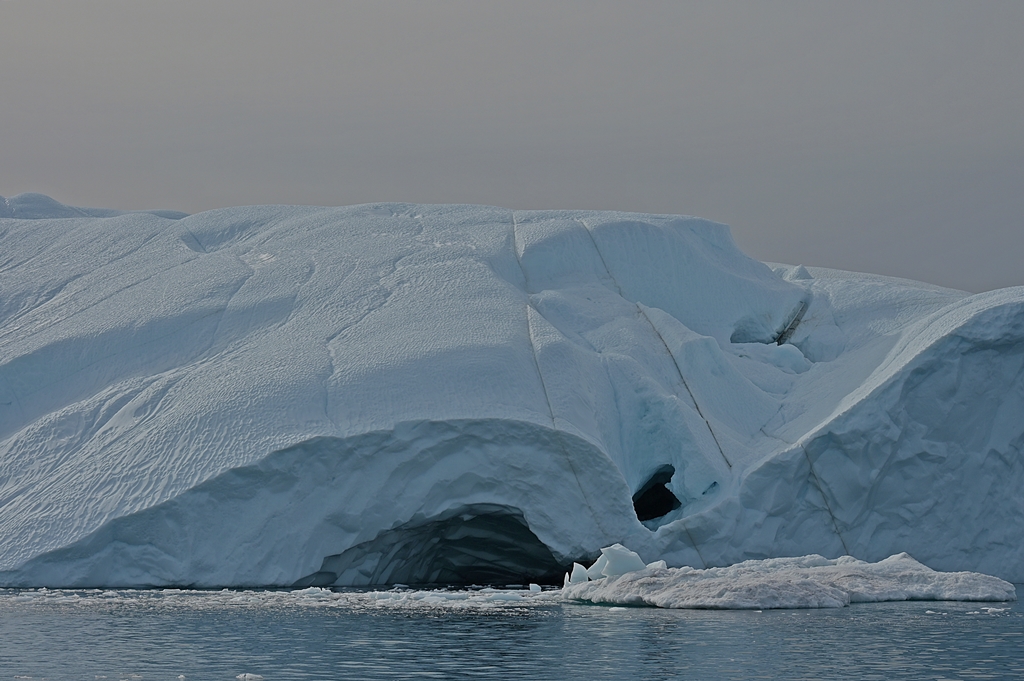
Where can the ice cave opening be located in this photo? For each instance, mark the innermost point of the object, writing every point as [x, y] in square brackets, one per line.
[474, 544]
[654, 500]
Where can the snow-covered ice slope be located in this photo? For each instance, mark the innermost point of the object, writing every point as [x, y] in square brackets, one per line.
[399, 393]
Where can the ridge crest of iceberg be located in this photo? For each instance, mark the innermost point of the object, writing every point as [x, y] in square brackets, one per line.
[32, 206]
[486, 374]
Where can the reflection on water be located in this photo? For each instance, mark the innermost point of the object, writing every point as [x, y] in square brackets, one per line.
[220, 635]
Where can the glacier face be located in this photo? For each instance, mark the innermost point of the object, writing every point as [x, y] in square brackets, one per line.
[282, 395]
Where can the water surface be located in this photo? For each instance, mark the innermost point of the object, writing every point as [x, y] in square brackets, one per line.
[291, 636]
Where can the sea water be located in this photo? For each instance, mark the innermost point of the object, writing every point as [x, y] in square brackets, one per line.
[318, 634]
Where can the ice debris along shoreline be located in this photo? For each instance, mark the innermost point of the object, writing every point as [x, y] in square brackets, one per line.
[290, 396]
[398, 597]
[619, 577]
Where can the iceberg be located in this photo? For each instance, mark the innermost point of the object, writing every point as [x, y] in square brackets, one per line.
[423, 394]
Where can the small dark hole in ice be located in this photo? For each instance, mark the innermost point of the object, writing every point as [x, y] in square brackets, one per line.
[653, 499]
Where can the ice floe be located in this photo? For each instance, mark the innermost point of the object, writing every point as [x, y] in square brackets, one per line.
[804, 582]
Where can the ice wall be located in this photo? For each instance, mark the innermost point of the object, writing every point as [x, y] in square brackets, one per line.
[276, 395]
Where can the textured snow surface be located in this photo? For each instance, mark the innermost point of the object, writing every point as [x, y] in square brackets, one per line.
[389, 393]
[805, 582]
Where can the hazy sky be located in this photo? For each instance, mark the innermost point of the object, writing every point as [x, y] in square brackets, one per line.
[876, 136]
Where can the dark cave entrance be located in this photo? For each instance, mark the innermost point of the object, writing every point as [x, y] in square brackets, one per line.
[484, 544]
[654, 500]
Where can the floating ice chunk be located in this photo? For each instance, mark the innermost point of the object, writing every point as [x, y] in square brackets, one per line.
[579, 574]
[595, 571]
[615, 560]
[504, 596]
[657, 565]
[249, 677]
[806, 582]
[535, 588]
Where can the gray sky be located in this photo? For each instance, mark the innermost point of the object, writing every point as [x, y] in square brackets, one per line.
[876, 136]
